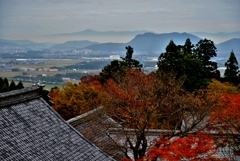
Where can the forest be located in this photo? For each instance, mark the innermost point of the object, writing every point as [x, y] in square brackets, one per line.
[185, 96]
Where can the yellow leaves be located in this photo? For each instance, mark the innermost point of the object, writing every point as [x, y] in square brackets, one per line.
[223, 87]
[75, 100]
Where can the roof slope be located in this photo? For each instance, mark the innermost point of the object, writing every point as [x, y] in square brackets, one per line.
[31, 130]
[95, 126]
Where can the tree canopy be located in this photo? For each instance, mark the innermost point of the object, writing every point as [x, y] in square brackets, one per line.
[117, 68]
[231, 73]
[5, 87]
[184, 61]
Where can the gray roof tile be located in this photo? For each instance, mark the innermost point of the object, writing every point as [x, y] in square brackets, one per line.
[95, 125]
[31, 130]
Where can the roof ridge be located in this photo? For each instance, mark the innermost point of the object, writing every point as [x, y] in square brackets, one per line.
[87, 114]
[20, 95]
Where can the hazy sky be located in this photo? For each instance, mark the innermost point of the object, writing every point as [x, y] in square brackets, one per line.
[26, 18]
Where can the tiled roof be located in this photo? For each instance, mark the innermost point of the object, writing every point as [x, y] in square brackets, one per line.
[31, 130]
[95, 125]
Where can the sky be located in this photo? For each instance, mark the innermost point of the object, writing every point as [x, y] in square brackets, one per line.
[28, 19]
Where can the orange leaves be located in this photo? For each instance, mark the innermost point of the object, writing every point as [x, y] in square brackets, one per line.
[230, 113]
[133, 98]
[200, 147]
[75, 100]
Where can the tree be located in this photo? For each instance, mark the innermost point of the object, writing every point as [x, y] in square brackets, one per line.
[1, 83]
[224, 87]
[116, 69]
[6, 82]
[188, 47]
[204, 51]
[140, 102]
[113, 70]
[75, 100]
[12, 86]
[200, 147]
[228, 122]
[5, 88]
[178, 60]
[20, 85]
[131, 63]
[232, 72]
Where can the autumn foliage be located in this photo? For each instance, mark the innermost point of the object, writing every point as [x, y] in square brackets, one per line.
[139, 102]
[227, 122]
[192, 148]
[75, 100]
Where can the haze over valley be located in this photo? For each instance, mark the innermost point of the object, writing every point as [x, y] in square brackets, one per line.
[90, 34]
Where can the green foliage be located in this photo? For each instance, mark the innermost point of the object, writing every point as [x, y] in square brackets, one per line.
[113, 70]
[182, 61]
[1, 83]
[4, 88]
[12, 86]
[20, 85]
[128, 61]
[231, 73]
[188, 47]
[204, 51]
[6, 82]
[116, 69]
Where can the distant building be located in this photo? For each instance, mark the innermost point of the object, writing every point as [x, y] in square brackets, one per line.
[114, 57]
[66, 79]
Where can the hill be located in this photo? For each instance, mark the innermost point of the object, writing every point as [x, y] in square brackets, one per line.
[73, 44]
[228, 46]
[218, 37]
[147, 42]
[21, 44]
[90, 32]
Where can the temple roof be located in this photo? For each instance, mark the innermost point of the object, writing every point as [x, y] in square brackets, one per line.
[31, 130]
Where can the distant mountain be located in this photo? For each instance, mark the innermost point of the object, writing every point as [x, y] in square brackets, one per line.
[147, 42]
[158, 42]
[218, 37]
[228, 46]
[21, 44]
[9, 44]
[90, 32]
[74, 44]
[107, 47]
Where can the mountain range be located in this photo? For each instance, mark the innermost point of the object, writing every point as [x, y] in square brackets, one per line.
[73, 44]
[89, 32]
[145, 42]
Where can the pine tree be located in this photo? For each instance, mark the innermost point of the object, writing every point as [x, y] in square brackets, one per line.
[232, 72]
[1, 83]
[12, 86]
[4, 88]
[20, 85]
[6, 82]
[188, 47]
[204, 51]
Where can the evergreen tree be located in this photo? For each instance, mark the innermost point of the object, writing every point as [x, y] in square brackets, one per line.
[1, 83]
[4, 88]
[128, 61]
[20, 85]
[232, 72]
[116, 69]
[188, 47]
[12, 86]
[6, 82]
[204, 51]
[182, 62]
[172, 47]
